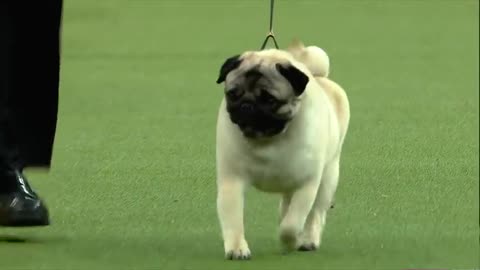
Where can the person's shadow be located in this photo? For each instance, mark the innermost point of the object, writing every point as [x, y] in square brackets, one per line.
[8, 238]
[14, 239]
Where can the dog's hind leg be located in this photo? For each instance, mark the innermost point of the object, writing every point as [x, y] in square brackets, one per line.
[284, 204]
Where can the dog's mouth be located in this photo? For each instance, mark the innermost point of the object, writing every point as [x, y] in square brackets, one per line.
[253, 132]
[255, 123]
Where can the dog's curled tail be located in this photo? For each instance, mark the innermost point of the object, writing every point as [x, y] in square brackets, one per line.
[313, 57]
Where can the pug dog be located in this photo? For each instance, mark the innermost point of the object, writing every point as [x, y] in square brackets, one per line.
[280, 128]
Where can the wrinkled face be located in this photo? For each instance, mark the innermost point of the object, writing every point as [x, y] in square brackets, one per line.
[262, 93]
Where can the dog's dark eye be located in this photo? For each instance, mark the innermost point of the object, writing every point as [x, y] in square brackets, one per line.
[234, 94]
[267, 98]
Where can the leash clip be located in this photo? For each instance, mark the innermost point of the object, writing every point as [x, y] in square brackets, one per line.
[272, 36]
[270, 32]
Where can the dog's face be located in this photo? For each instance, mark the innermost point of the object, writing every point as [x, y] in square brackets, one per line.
[262, 91]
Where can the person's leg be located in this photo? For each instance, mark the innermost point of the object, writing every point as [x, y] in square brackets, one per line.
[29, 80]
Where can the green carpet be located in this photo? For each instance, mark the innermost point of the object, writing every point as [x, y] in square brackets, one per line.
[133, 179]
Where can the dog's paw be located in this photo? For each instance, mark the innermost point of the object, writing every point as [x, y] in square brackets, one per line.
[307, 247]
[240, 252]
[310, 241]
[289, 239]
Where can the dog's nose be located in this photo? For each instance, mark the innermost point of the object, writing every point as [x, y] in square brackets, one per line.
[247, 108]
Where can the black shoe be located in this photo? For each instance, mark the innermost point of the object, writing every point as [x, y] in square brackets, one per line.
[19, 204]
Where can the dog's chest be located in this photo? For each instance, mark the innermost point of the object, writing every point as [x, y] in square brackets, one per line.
[280, 168]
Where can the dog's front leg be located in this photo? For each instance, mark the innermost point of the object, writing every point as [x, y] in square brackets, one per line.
[315, 223]
[301, 203]
[230, 201]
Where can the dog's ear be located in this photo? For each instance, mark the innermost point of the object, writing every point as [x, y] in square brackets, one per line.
[297, 79]
[229, 65]
[296, 45]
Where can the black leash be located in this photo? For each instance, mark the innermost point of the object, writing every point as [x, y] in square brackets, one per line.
[270, 33]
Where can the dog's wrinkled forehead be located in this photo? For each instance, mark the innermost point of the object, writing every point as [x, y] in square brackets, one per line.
[258, 63]
[276, 65]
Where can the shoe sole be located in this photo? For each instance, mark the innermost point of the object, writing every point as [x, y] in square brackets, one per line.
[24, 219]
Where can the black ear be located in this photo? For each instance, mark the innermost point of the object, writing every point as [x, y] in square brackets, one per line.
[229, 65]
[295, 77]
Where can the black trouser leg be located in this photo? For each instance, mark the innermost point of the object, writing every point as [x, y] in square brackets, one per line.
[6, 50]
[29, 80]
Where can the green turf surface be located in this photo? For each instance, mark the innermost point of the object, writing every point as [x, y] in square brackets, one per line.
[133, 180]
